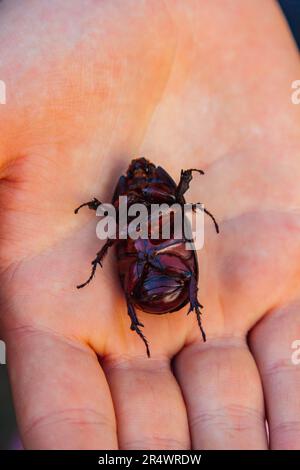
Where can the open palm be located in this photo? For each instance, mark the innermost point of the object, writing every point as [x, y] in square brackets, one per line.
[94, 85]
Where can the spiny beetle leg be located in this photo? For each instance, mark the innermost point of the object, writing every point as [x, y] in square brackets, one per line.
[156, 263]
[98, 260]
[184, 183]
[93, 205]
[192, 307]
[194, 169]
[198, 313]
[194, 207]
[195, 304]
[94, 264]
[135, 325]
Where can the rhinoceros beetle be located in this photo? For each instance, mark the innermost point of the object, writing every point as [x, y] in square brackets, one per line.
[157, 276]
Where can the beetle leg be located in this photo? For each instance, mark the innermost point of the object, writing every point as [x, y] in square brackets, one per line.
[194, 207]
[154, 261]
[133, 316]
[140, 266]
[184, 183]
[98, 260]
[135, 325]
[195, 305]
[93, 205]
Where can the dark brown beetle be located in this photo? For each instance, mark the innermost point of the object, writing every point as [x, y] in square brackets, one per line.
[158, 276]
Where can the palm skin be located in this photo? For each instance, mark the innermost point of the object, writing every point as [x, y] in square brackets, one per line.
[128, 81]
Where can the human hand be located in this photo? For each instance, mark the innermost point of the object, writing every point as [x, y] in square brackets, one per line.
[90, 86]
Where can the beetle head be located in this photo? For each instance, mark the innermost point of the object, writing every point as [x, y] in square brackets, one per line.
[140, 168]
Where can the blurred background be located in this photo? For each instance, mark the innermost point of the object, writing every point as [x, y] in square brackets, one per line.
[8, 429]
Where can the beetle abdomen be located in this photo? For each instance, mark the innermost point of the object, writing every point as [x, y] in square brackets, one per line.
[160, 293]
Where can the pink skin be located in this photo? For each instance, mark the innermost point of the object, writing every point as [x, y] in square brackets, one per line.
[187, 84]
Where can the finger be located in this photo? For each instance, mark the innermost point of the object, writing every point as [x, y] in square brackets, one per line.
[272, 343]
[60, 392]
[149, 406]
[223, 394]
